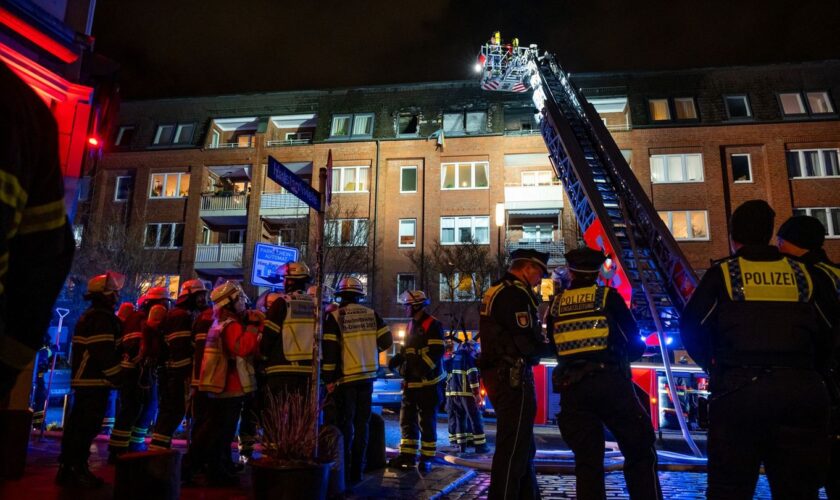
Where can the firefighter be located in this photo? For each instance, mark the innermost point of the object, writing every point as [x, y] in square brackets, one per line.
[802, 236]
[511, 343]
[95, 365]
[759, 324]
[139, 346]
[595, 338]
[354, 335]
[254, 322]
[289, 332]
[463, 399]
[175, 370]
[36, 247]
[420, 363]
[198, 399]
[227, 376]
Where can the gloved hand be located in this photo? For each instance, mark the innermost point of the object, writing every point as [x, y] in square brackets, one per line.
[395, 362]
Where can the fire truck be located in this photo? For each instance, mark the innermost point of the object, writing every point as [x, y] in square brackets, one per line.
[615, 215]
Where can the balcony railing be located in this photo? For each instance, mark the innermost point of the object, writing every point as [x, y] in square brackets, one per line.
[532, 197]
[222, 253]
[212, 202]
[287, 142]
[554, 249]
[280, 200]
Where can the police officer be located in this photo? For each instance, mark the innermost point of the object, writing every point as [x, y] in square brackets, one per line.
[758, 322]
[421, 365]
[140, 348]
[174, 374]
[354, 335]
[802, 236]
[462, 399]
[511, 343]
[595, 337]
[289, 333]
[95, 365]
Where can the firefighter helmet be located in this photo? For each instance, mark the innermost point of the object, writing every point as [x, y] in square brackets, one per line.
[414, 298]
[227, 292]
[107, 283]
[350, 285]
[192, 286]
[126, 308]
[156, 293]
[295, 270]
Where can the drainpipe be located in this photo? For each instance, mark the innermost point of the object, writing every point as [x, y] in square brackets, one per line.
[375, 200]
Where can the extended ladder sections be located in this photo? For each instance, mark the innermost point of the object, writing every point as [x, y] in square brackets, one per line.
[613, 211]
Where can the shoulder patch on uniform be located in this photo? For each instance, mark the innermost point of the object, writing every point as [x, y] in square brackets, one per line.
[523, 319]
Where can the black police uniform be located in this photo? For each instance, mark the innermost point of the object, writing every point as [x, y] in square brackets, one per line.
[422, 372]
[511, 342]
[596, 337]
[759, 324]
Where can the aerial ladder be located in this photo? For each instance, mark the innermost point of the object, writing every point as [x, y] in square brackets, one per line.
[613, 212]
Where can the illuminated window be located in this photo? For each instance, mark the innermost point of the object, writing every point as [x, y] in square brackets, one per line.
[352, 126]
[819, 103]
[741, 168]
[169, 185]
[465, 122]
[688, 224]
[684, 108]
[676, 168]
[538, 178]
[164, 235]
[122, 189]
[169, 281]
[737, 106]
[408, 232]
[408, 179]
[347, 232]
[457, 230]
[813, 163]
[659, 110]
[468, 175]
[350, 179]
[405, 282]
[829, 216]
[462, 287]
[792, 103]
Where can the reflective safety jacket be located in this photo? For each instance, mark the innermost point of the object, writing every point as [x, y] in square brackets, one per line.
[759, 309]
[288, 335]
[588, 322]
[96, 362]
[227, 369]
[354, 335]
[833, 273]
[463, 377]
[423, 351]
[199, 336]
[177, 335]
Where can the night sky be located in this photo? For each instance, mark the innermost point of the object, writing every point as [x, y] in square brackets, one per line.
[169, 48]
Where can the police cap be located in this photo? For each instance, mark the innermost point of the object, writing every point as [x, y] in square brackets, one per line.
[752, 223]
[532, 256]
[803, 231]
[585, 260]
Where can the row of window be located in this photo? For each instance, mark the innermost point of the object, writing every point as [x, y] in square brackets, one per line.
[792, 104]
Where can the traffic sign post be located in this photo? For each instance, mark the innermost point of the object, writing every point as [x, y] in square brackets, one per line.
[265, 270]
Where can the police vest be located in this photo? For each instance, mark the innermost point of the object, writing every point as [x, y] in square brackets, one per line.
[833, 272]
[580, 322]
[359, 350]
[784, 280]
[298, 327]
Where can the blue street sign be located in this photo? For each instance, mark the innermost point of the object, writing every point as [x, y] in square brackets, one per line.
[294, 184]
[267, 261]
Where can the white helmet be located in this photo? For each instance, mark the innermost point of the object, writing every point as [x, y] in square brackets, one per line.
[192, 286]
[295, 270]
[227, 292]
[414, 298]
[350, 285]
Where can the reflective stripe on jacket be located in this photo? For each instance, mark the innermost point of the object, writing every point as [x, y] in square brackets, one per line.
[579, 320]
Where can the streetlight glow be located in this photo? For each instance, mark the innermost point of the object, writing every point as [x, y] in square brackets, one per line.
[500, 214]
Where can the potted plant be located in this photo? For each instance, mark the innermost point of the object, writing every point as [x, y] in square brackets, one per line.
[289, 468]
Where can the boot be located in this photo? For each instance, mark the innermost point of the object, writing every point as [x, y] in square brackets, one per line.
[402, 461]
[78, 476]
[425, 465]
[113, 456]
[463, 447]
[482, 448]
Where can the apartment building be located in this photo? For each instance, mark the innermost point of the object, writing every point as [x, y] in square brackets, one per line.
[186, 178]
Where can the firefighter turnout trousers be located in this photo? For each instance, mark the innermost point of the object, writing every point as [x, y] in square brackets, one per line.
[606, 397]
[777, 417]
[418, 421]
[83, 424]
[512, 473]
[171, 407]
[466, 427]
[353, 405]
[136, 408]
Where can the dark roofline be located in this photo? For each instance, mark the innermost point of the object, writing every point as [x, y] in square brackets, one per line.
[699, 69]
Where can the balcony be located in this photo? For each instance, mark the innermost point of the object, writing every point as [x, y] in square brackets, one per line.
[527, 197]
[554, 249]
[224, 210]
[218, 256]
[287, 142]
[279, 205]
